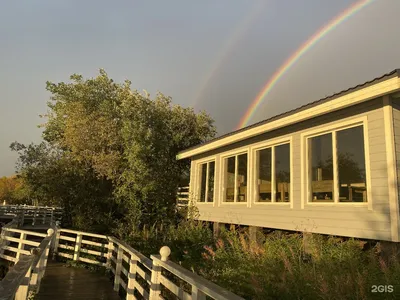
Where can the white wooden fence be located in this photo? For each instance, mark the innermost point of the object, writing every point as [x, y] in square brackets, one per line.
[135, 273]
[182, 197]
[29, 266]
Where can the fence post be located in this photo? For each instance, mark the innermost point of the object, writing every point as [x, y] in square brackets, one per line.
[118, 268]
[21, 244]
[34, 277]
[109, 252]
[34, 217]
[130, 288]
[56, 242]
[155, 287]
[78, 242]
[52, 216]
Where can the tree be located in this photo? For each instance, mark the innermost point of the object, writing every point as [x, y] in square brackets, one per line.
[114, 140]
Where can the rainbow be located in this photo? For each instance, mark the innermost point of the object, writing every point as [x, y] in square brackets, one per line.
[322, 32]
[229, 44]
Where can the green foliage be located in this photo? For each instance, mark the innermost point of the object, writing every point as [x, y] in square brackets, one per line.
[338, 269]
[109, 155]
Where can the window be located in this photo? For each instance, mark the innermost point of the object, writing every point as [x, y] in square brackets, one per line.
[207, 174]
[282, 172]
[321, 168]
[337, 166]
[273, 174]
[351, 165]
[236, 178]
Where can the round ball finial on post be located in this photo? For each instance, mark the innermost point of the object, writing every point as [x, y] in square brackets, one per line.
[165, 252]
[50, 232]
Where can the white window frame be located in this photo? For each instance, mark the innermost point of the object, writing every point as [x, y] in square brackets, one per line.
[199, 163]
[272, 144]
[305, 162]
[223, 157]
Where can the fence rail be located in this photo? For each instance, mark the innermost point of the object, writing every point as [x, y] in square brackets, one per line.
[26, 274]
[182, 199]
[134, 274]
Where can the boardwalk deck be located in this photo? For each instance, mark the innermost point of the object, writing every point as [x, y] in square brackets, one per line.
[64, 283]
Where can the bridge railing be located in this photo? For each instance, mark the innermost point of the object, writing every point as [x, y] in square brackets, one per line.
[182, 197]
[26, 274]
[24, 239]
[31, 214]
[135, 273]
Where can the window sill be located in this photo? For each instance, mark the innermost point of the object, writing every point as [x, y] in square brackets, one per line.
[338, 203]
[272, 203]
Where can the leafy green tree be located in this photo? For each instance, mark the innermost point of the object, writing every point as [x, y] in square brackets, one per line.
[113, 150]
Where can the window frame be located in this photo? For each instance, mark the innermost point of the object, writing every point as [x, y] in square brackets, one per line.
[333, 128]
[222, 196]
[199, 163]
[265, 145]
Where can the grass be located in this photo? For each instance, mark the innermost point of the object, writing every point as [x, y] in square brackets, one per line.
[278, 268]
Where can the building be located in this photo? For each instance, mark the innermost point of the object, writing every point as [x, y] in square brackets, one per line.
[328, 167]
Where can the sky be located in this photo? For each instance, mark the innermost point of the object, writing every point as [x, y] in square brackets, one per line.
[212, 55]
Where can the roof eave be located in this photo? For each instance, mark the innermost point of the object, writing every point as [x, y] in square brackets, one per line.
[349, 99]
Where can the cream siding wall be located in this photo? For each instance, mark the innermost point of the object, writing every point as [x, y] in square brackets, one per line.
[396, 128]
[370, 221]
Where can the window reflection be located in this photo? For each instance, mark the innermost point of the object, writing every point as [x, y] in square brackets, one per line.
[230, 178]
[351, 165]
[282, 171]
[321, 169]
[264, 175]
[203, 182]
[211, 172]
[242, 178]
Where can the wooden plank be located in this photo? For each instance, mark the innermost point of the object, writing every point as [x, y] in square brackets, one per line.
[141, 290]
[67, 238]
[62, 246]
[9, 258]
[103, 245]
[143, 274]
[207, 287]
[172, 287]
[65, 255]
[26, 242]
[84, 233]
[16, 250]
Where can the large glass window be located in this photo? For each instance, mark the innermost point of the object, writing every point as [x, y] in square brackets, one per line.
[264, 179]
[282, 172]
[273, 174]
[341, 152]
[236, 178]
[321, 156]
[351, 165]
[207, 173]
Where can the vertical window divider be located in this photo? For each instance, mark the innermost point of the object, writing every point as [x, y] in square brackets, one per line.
[335, 168]
[235, 193]
[207, 170]
[273, 179]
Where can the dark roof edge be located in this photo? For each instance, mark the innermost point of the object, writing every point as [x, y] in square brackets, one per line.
[394, 73]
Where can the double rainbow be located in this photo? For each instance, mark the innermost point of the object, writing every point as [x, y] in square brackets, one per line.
[343, 16]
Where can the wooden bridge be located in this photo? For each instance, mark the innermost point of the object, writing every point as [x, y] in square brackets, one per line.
[33, 243]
